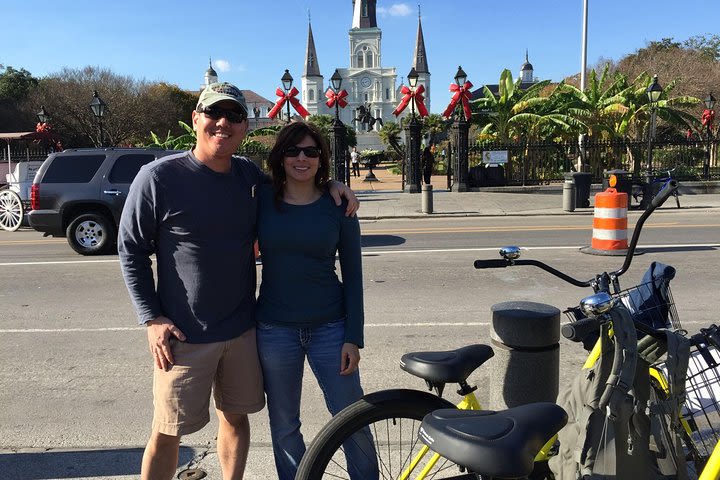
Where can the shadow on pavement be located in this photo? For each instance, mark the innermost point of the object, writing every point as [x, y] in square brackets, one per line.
[78, 463]
[689, 248]
[381, 240]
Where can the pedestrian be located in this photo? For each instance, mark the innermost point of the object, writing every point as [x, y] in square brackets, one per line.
[196, 212]
[304, 311]
[355, 161]
[428, 164]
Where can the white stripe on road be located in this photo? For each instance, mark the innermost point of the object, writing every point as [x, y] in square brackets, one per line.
[368, 325]
[373, 253]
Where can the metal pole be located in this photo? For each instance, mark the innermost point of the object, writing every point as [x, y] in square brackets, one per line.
[102, 143]
[648, 187]
[706, 167]
[460, 167]
[583, 70]
[339, 148]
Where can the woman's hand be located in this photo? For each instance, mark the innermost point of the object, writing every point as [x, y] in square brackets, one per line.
[349, 358]
[338, 190]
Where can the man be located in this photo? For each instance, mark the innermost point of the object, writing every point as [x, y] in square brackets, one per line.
[196, 212]
[355, 161]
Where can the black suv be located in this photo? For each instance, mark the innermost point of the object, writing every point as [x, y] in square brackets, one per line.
[80, 193]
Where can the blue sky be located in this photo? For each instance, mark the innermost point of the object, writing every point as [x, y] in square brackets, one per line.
[252, 42]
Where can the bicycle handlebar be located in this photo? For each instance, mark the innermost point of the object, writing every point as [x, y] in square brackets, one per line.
[580, 329]
[600, 281]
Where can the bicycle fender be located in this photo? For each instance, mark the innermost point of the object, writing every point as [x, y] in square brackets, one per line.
[407, 395]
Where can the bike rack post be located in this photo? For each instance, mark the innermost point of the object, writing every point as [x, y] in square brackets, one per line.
[526, 367]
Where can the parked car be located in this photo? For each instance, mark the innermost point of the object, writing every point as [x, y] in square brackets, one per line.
[80, 193]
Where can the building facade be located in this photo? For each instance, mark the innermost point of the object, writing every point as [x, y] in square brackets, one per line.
[369, 84]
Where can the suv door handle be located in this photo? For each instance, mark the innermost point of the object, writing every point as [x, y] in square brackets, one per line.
[117, 193]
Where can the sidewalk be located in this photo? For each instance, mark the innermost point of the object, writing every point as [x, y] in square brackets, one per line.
[385, 199]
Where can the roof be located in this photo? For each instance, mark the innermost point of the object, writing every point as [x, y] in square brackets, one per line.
[21, 136]
[420, 60]
[252, 97]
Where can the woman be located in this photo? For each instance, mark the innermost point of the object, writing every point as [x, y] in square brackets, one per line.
[303, 309]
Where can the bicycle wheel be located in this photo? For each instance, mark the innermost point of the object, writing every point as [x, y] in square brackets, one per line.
[382, 429]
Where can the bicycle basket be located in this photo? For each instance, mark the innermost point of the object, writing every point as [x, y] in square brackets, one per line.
[650, 303]
[701, 412]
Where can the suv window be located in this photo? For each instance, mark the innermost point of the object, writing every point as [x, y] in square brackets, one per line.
[73, 168]
[127, 167]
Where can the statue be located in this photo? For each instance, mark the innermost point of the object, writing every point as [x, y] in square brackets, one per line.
[366, 118]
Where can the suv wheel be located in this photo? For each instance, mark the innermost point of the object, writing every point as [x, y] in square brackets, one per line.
[91, 234]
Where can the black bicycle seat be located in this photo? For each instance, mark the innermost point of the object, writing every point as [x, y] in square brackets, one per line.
[497, 444]
[453, 366]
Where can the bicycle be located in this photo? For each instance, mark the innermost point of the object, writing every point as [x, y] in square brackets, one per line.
[390, 409]
[658, 180]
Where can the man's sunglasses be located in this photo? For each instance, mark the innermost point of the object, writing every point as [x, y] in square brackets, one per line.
[233, 116]
[310, 152]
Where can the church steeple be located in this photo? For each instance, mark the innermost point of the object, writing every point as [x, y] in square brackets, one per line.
[364, 14]
[312, 69]
[420, 59]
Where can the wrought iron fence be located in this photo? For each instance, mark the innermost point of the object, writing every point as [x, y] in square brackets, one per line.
[541, 163]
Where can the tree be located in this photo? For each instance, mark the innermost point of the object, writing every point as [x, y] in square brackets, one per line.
[325, 124]
[436, 127]
[15, 86]
[134, 107]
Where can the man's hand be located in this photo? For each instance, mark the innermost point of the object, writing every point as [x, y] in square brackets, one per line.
[159, 332]
[349, 358]
[337, 190]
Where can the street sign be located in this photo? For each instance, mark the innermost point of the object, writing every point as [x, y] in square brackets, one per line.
[494, 157]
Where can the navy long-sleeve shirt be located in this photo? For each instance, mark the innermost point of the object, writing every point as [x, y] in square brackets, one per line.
[201, 225]
[300, 287]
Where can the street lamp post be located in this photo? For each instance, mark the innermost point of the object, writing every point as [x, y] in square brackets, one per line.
[43, 116]
[708, 117]
[339, 153]
[653, 92]
[287, 81]
[98, 108]
[412, 156]
[461, 128]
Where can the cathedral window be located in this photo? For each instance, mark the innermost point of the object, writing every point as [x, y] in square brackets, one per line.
[311, 95]
[387, 94]
[360, 60]
[369, 60]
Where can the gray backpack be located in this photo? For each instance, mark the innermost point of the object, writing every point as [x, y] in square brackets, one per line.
[618, 426]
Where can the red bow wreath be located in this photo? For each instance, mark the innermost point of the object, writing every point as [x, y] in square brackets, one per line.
[289, 97]
[414, 95]
[708, 117]
[336, 97]
[462, 92]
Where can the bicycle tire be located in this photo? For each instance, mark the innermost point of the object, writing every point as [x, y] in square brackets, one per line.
[326, 451]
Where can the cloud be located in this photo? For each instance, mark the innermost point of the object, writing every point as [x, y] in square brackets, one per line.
[396, 10]
[222, 65]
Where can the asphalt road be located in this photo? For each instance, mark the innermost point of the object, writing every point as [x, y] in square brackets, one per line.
[75, 374]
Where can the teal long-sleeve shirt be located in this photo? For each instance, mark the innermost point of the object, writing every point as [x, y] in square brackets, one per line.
[300, 287]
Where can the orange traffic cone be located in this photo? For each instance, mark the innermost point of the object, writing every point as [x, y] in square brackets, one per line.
[610, 223]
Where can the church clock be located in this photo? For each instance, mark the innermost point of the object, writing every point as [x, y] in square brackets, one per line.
[365, 82]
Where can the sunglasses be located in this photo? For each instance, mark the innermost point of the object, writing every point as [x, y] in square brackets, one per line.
[232, 116]
[310, 152]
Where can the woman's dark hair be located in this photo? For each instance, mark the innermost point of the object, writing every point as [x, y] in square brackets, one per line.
[289, 136]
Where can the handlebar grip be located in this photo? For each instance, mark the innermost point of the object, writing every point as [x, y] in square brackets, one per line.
[664, 194]
[495, 263]
[577, 331]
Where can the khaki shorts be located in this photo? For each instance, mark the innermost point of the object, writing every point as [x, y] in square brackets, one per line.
[230, 369]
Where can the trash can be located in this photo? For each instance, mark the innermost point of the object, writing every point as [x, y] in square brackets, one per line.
[582, 182]
[624, 181]
[495, 175]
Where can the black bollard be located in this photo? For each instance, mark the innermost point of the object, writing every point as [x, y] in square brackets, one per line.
[526, 367]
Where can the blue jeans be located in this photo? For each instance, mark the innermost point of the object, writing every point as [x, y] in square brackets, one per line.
[282, 353]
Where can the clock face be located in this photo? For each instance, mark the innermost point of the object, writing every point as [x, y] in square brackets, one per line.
[365, 82]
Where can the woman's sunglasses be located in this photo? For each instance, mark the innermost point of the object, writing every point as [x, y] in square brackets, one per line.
[233, 116]
[310, 152]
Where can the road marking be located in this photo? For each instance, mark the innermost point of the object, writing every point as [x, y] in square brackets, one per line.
[374, 253]
[368, 325]
[434, 230]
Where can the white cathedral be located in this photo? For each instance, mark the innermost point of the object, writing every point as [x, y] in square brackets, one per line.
[367, 81]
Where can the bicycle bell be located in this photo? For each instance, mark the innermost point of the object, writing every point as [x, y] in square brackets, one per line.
[510, 252]
[597, 304]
